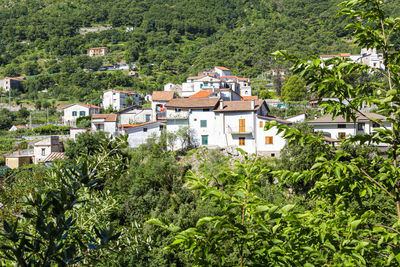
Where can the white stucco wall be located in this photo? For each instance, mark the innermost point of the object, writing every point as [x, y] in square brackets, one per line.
[70, 120]
[278, 142]
[136, 116]
[137, 135]
[232, 130]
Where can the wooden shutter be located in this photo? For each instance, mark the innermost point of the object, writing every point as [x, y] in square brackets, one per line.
[261, 124]
[269, 140]
[242, 141]
[242, 125]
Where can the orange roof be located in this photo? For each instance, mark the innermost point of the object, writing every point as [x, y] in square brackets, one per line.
[90, 106]
[249, 97]
[201, 94]
[106, 117]
[162, 95]
[345, 54]
[243, 79]
[134, 125]
[96, 48]
[221, 68]
[340, 55]
[197, 77]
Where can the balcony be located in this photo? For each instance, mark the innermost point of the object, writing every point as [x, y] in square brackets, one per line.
[240, 131]
[178, 115]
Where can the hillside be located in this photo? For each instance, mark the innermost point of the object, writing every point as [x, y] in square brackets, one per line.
[168, 39]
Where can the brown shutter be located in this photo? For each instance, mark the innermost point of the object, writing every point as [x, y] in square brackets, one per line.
[242, 125]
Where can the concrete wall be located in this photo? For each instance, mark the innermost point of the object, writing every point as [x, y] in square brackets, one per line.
[136, 116]
[16, 162]
[271, 150]
[137, 135]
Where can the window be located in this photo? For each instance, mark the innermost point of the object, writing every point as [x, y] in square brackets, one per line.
[361, 126]
[148, 117]
[206, 109]
[242, 125]
[341, 126]
[242, 141]
[203, 123]
[269, 140]
[144, 129]
[375, 125]
[201, 85]
[204, 140]
[161, 127]
[82, 113]
[177, 109]
[342, 135]
[43, 151]
[74, 113]
[272, 155]
[205, 84]
[261, 124]
[113, 93]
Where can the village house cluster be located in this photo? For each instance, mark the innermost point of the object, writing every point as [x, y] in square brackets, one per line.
[213, 109]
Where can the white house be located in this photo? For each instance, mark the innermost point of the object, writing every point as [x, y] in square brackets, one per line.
[221, 71]
[135, 114]
[118, 99]
[11, 83]
[104, 122]
[139, 133]
[43, 148]
[225, 124]
[74, 111]
[367, 57]
[74, 132]
[158, 101]
[339, 128]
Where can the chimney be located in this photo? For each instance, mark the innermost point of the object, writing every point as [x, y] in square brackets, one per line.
[252, 104]
[221, 104]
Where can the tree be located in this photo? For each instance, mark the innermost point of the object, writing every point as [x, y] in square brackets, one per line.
[38, 104]
[31, 68]
[294, 89]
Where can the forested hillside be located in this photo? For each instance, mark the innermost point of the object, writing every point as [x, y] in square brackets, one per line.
[168, 40]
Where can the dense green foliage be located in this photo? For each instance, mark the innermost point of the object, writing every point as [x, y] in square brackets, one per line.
[294, 89]
[168, 40]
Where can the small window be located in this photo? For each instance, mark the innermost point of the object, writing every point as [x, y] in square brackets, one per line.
[341, 126]
[178, 109]
[204, 140]
[113, 93]
[43, 151]
[203, 123]
[272, 155]
[375, 125]
[161, 127]
[74, 113]
[361, 126]
[261, 124]
[242, 141]
[148, 117]
[82, 113]
[144, 129]
[269, 140]
[342, 135]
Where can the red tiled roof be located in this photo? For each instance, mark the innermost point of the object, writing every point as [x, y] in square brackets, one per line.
[162, 95]
[221, 68]
[192, 103]
[249, 97]
[55, 155]
[106, 117]
[82, 104]
[240, 106]
[197, 77]
[340, 55]
[340, 119]
[96, 48]
[201, 94]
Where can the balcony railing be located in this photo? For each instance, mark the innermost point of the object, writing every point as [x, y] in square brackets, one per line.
[240, 130]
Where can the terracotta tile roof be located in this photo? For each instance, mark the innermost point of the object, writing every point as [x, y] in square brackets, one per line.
[272, 118]
[85, 105]
[120, 91]
[106, 117]
[234, 106]
[340, 119]
[126, 126]
[340, 55]
[227, 77]
[193, 103]
[162, 95]
[221, 68]
[249, 97]
[202, 94]
[95, 48]
[55, 155]
[197, 77]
